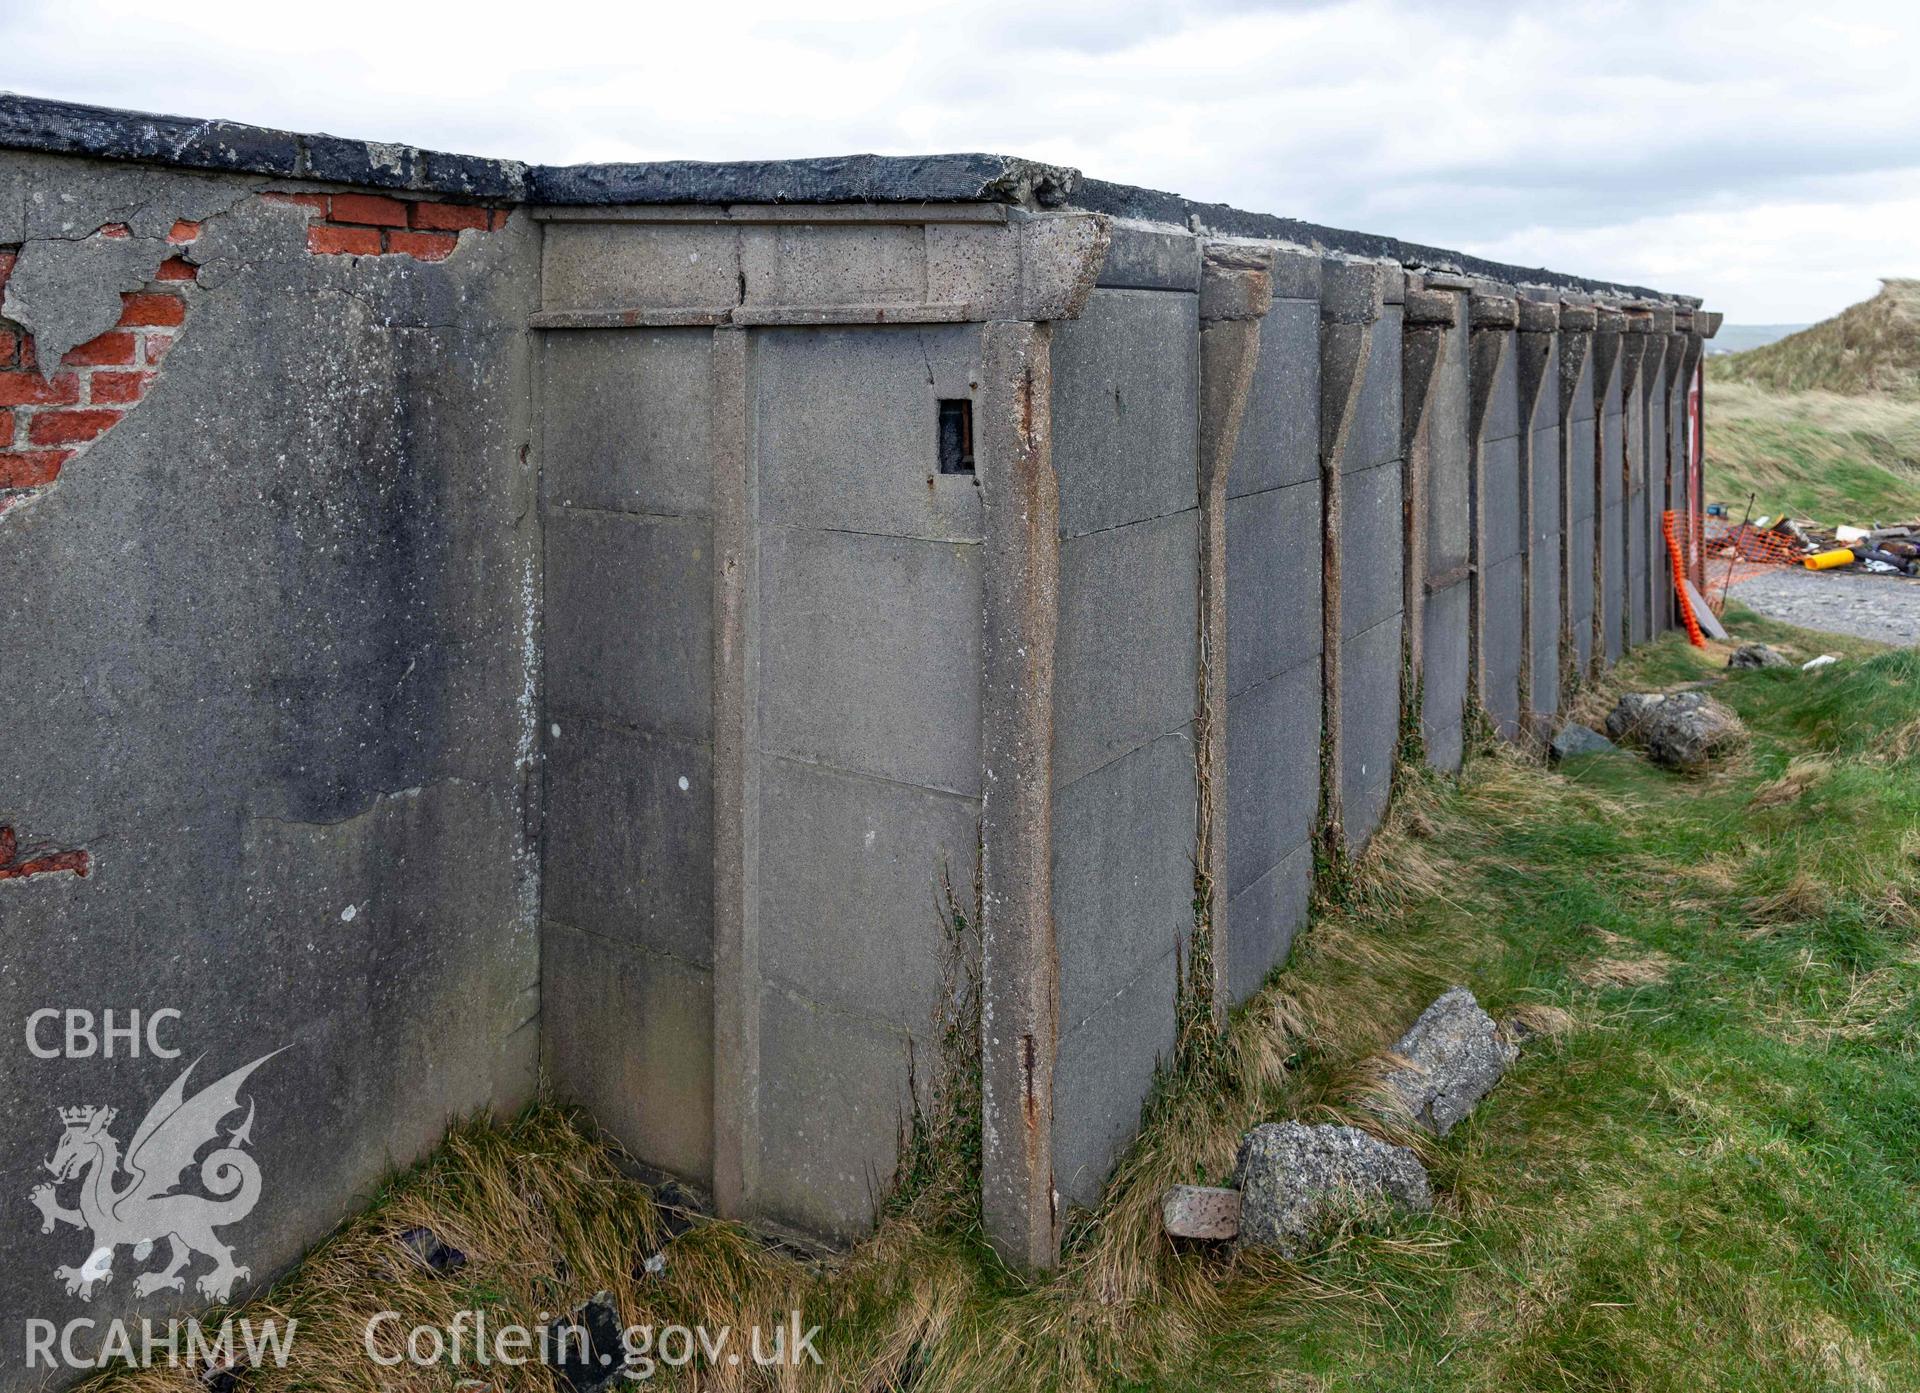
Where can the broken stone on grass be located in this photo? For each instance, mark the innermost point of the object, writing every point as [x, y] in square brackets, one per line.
[1456, 1055]
[1680, 730]
[1757, 655]
[1200, 1211]
[1575, 739]
[1296, 1180]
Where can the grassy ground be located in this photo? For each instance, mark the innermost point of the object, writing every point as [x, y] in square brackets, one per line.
[1813, 454]
[1873, 346]
[1704, 1174]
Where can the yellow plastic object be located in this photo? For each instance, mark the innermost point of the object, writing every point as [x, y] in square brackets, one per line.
[1827, 560]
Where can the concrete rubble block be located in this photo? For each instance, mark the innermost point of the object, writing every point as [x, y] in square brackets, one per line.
[618, 266]
[847, 864]
[1273, 583]
[1122, 871]
[1680, 730]
[847, 429]
[626, 416]
[1263, 919]
[1280, 433]
[869, 653]
[1575, 739]
[1273, 772]
[632, 1035]
[1125, 424]
[1105, 1068]
[1372, 550]
[1125, 665]
[1455, 1055]
[629, 838]
[1370, 720]
[832, 1100]
[655, 669]
[1200, 1211]
[1296, 1181]
[1756, 655]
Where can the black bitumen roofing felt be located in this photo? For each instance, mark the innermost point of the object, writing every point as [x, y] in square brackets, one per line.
[36, 123]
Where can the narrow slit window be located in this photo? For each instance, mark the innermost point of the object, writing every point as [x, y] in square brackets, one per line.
[956, 437]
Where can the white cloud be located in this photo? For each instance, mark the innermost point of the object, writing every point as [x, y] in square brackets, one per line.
[1762, 154]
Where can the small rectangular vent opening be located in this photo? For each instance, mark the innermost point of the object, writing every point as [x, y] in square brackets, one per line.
[956, 437]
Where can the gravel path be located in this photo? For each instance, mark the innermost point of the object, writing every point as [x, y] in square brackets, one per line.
[1886, 608]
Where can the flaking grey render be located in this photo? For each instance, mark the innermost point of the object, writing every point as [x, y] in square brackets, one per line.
[576, 619]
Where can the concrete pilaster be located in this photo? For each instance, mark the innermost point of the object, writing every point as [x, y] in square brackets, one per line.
[1430, 319]
[1019, 1027]
[736, 784]
[1577, 525]
[1492, 319]
[1236, 291]
[1352, 297]
[1533, 357]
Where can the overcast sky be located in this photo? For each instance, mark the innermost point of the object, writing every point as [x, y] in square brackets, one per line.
[1764, 156]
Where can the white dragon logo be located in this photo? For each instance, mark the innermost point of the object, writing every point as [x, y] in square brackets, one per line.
[149, 1206]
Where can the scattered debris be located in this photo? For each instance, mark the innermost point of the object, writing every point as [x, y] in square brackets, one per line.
[1575, 739]
[584, 1348]
[1455, 1054]
[1752, 655]
[1294, 1180]
[1681, 730]
[1703, 613]
[1787, 541]
[1822, 661]
[437, 1256]
[1201, 1211]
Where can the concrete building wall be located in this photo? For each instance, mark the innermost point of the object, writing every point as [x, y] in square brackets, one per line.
[1447, 618]
[1544, 538]
[1501, 569]
[1613, 516]
[1273, 604]
[1371, 478]
[614, 658]
[1582, 482]
[1125, 380]
[271, 602]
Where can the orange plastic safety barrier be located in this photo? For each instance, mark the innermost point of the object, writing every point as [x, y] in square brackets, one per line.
[1679, 575]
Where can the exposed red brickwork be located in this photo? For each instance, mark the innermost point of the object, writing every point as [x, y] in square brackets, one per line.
[427, 246]
[46, 421]
[365, 224]
[14, 865]
[327, 239]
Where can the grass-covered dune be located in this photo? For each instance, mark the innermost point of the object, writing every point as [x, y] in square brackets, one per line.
[1703, 1173]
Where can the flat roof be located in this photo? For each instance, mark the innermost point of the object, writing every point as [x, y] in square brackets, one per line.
[107, 133]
